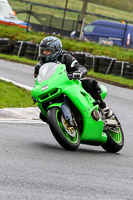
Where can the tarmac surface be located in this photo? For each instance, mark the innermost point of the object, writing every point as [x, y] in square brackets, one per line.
[28, 113]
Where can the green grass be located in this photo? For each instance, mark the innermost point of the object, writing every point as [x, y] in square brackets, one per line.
[18, 59]
[106, 8]
[111, 79]
[14, 33]
[97, 49]
[13, 96]
[118, 4]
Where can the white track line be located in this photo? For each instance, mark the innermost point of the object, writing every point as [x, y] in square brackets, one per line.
[21, 121]
[16, 83]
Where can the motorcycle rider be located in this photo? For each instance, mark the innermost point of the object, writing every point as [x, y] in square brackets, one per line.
[51, 51]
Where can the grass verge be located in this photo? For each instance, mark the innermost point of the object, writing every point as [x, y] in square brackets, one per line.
[14, 33]
[18, 59]
[14, 96]
[105, 8]
[111, 79]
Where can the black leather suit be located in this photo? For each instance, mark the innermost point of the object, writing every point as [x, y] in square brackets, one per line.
[72, 65]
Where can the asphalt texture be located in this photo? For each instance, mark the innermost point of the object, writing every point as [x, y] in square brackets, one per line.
[30, 113]
[34, 166]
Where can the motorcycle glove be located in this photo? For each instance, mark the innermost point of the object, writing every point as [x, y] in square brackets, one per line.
[77, 75]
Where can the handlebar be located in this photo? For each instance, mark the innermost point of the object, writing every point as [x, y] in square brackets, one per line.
[70, 76]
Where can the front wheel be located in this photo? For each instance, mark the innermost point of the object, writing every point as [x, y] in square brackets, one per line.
[68, 137]
[115, 138]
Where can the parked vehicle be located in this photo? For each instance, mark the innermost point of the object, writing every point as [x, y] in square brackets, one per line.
[8, 16]
[109, 33]
[73, 116]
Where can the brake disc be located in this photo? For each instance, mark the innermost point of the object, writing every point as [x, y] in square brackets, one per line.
[69, 129]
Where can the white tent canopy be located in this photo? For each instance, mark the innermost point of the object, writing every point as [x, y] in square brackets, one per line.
[6, 10]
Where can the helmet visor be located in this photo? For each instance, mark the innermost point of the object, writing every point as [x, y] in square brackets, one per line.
[48, 49]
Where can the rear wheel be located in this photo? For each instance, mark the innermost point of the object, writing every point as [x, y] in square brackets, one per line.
[115, 139]
[67, 136]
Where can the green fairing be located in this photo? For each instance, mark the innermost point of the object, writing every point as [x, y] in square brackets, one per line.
[58, 84]
[104, 91]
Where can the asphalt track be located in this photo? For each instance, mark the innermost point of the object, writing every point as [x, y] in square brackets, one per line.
[33, 166]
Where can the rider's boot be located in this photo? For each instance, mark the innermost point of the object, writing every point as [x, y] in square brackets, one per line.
[107, 112]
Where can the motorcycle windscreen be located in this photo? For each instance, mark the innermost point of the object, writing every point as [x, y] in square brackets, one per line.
[46, 71]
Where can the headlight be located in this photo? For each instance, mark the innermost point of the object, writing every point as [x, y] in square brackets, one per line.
[45, 87]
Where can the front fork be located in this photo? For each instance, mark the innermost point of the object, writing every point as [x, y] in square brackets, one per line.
[65, 108]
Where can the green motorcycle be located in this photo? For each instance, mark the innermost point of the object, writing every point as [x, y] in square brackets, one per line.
[73, 116]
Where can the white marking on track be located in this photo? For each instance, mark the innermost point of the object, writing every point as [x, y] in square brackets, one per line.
[21, 121]
[16, 83]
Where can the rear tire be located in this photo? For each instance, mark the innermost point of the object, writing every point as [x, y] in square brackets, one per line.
[68, 142]
[115, 141]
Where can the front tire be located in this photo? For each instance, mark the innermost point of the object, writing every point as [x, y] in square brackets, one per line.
[115, 141]
[67, 137]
